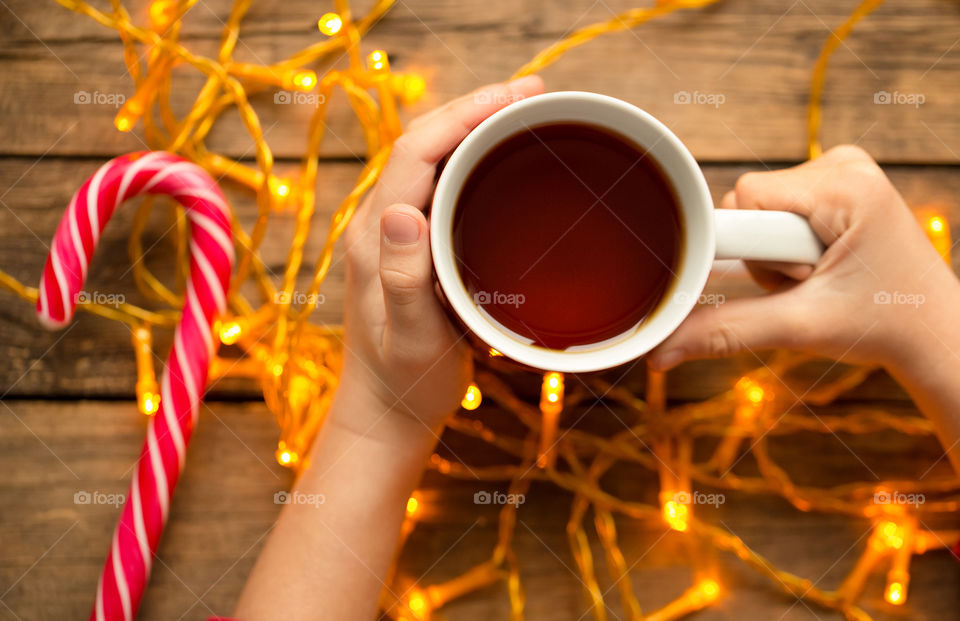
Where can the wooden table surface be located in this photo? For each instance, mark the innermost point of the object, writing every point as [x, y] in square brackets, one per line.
[68, 424]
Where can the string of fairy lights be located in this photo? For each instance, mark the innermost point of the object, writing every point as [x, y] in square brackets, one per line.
[297, 361]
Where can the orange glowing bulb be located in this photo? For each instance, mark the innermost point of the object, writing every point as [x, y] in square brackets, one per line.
[936, 224]
[285, 456]
[709, 590]
[895, 593]
[750, 390]
[330, 24]
[230, 333]
[551, 391]
[124, 121]
[417, 603]
[494, 353]
[891, 534]
[412, 506]
[675, 514]
[471, 400]
[412, 87]
[162, 13]
[377, 60]
[149, 403]
[304, 80]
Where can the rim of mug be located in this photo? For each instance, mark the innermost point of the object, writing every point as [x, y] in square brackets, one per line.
[677, 301]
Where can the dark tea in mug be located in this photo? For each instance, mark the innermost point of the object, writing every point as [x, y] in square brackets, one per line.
[567, 234]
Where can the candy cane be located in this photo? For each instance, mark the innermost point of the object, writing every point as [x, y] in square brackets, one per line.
[144, 515]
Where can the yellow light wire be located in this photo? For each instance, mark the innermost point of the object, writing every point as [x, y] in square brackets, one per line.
[819, 75]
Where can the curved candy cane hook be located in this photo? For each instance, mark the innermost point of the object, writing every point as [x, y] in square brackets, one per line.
[144, 515]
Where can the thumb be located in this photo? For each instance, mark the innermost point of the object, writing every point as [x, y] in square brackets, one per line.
[405, 272]
[749, 324]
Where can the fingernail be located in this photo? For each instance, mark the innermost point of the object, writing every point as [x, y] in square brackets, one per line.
[527, 80]
[401, 229]
[667, 360]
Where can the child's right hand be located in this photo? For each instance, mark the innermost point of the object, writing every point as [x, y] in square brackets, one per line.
[841, 307]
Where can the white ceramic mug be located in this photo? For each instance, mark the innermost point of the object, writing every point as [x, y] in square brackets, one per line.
[708, 233]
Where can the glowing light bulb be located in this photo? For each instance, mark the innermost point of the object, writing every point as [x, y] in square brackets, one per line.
[283, 189]
[413, 505]
[895, 593]
[330, 24]
[377, 60]
[299, 392]
[891, 535]
[750, 390]
[230, 333]
[937, 228]
[471, 400]
[551, 392]
[304, 80]
[149, 403]
[417, 603]
[675, 515]
[124, 121]
[285, 456]
[936, 224]
[162, 13]
[494, 353]
[410, 87]
[708, 590]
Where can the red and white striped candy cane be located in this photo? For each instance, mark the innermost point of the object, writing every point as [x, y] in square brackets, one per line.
[144, 515]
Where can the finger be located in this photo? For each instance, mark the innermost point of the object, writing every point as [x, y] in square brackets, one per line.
[775, 275]
[752, 324]
[729, 200]
[408, 175]
[771, 275]
[795, 190]
[406, 277]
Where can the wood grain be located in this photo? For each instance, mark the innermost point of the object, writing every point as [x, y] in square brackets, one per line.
[756, 54]
[53, 548]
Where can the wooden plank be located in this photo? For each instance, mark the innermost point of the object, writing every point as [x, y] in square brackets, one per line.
[93, 357]
[755, 54]
[224, 507]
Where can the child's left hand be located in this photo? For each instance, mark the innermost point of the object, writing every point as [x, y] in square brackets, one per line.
[403, 360]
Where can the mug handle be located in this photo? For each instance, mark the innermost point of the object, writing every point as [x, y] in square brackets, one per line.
[757, 235]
